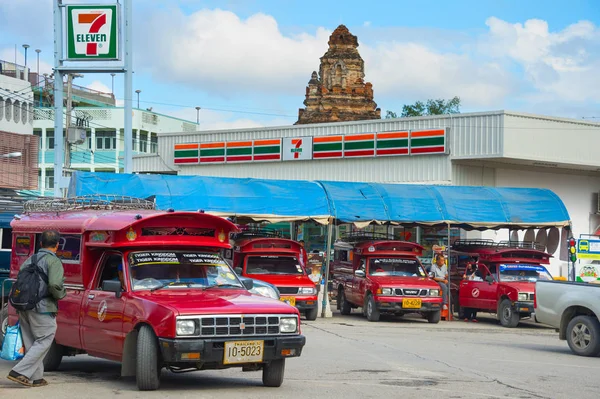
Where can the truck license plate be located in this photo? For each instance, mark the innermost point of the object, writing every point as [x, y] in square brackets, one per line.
[290, 300]
[410, 303]
[243, 352]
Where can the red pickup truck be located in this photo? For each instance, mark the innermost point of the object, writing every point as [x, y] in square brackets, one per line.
[264, 255]
[149, 289]
[383, 276]
[505, 281]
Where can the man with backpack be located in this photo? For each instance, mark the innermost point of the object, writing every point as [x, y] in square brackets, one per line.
[35, 296]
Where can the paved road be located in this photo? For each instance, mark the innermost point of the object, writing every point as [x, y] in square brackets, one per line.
[348, 357]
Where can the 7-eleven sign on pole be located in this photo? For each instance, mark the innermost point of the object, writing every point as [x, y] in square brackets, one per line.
[92, 32]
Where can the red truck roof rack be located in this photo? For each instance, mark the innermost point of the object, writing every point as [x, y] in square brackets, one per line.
[491, 244]
[360, 236]
[253, 232]
[90, 202]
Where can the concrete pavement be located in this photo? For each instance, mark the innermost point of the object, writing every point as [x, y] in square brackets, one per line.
[349, 357]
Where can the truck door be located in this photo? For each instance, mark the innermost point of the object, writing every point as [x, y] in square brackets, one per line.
[489, 291]
[472, 292]
[358, 283]
[102, 325]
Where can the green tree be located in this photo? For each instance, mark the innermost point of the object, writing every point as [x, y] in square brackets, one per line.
[431, 107]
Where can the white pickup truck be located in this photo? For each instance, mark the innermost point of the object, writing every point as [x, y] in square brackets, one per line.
[573, 309]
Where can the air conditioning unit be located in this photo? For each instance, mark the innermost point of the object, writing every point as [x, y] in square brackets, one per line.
[76, 135]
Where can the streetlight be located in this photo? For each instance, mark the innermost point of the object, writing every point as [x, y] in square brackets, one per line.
[198, 115]
[26, 46]
[113, 83]
[38, 51]
[138, 97]
[11, 155]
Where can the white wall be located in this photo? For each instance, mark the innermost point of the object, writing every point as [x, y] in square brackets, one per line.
[577, 191]
[16, 90]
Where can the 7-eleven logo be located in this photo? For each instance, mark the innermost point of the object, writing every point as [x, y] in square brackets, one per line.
[91, 32]
[297, 149]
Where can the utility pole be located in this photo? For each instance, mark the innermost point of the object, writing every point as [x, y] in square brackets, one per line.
[70, 78]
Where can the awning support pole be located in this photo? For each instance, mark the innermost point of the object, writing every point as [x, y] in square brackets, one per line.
[325, 311]
[449, 284]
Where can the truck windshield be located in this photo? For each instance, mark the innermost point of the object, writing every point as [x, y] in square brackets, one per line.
[273, 265]
[405, 267]
[176, 269]
[520, 272]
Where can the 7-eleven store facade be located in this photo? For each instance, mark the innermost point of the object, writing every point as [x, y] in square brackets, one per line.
[496, 149]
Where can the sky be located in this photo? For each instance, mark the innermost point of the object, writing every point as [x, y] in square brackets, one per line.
[246, 63]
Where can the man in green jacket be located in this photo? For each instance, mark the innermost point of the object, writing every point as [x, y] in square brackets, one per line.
[38, 326]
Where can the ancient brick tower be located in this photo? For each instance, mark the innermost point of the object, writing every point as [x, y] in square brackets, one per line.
[338, 93]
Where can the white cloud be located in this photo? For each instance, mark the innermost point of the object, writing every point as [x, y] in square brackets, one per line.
[217, 51]
[99, 86]
[216, 120]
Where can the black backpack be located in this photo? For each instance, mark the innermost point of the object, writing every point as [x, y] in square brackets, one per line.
[30, 288]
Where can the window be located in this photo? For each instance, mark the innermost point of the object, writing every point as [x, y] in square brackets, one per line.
[49, 182]
[153, 143]
[143, 142]
[16, 113]
[49, 141]
[5, 238]
[273, 265]
[69, 248]
[38, 134]
[24, 113]
[8, 109]
[106, 141]
[110, 270]
[1, 108]
[23, 246]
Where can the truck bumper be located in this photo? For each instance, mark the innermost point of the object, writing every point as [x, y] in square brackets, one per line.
[396, 307]
[209, 353]
[306, 305]
[524, 307]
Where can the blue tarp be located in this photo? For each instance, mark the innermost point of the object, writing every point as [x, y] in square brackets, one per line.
[346, 202]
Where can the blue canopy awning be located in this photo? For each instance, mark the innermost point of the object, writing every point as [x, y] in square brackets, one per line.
[345, 202]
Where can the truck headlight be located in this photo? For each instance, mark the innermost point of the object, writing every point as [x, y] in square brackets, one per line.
[265, 291]
[307, 290]
[385, 291]
[185, 327]
[523, 296]
[288, 324]
[434, 292]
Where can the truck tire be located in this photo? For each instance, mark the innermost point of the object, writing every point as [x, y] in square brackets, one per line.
[371, 309]
[54, 357]
[583, 336]
[345, 307]
[507, 315]
[147, 370]
[311, 314]
[3, 321]
[273, 373]
[434, 317]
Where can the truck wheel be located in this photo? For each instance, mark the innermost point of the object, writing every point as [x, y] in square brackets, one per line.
[273, 373]
[434, 317]
[371, 309]
[311, 314]
[508, 317]
[3, 321]
[345, 307]
[53, 357]
[147, 371]
[583, 336]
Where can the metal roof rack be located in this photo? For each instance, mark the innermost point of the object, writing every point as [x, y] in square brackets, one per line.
[487, 243]
[477, 243]
[521, 245]
[362, 236]
[97, 202]
[254, 232]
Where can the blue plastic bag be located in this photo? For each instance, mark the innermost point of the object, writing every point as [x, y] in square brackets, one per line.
[12, 347]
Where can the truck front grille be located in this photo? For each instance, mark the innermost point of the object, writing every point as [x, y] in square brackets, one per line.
[288, 290]
[237, 326]
[410, 292]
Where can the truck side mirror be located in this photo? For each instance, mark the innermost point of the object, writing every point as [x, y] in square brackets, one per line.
[248, 283]
[238, 271]
[112, 286]
[359, 273]
[489, 279]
